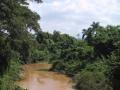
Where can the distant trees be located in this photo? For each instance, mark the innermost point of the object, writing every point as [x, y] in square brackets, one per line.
[96, 54]
[102, 39]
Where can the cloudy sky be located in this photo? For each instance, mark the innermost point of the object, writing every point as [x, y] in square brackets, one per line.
[71, 16]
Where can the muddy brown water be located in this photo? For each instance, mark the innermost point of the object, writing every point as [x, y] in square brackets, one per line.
[36, 77]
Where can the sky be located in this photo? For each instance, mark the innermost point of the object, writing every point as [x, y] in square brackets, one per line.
[72, 16]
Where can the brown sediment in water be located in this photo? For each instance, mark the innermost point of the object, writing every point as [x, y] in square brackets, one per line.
[36, 79]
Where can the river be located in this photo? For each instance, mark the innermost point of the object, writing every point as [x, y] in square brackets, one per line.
[37, 77]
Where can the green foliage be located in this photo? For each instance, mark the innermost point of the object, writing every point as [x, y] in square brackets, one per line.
[38, 55]
[87, 80]
[16, 40]
[16, 24]
[5, 54]
[93, 61]
[94, 77]
[7, 80]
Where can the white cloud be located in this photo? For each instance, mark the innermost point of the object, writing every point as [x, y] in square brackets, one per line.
[71, 16]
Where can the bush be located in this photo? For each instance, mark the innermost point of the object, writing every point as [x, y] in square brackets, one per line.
[39, 55]
[7, 80]
[87, 80]
[94, 77]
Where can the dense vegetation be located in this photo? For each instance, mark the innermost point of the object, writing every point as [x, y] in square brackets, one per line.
[92, 61]
[16, 22]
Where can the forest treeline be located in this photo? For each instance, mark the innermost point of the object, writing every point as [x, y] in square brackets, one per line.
[92, 61]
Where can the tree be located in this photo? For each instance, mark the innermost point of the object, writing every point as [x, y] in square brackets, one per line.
[16, 23]
[16, 40]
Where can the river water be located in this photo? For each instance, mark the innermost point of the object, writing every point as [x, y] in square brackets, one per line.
[36, 77]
